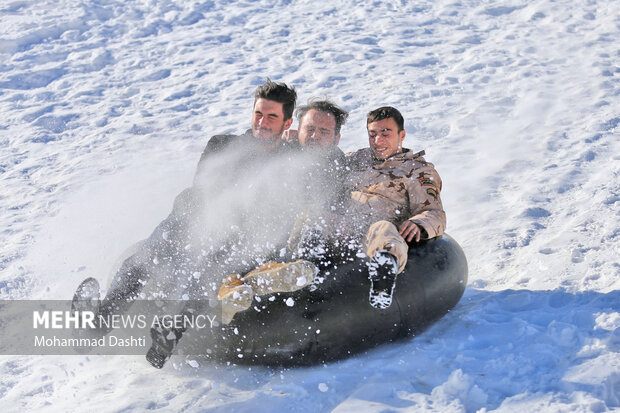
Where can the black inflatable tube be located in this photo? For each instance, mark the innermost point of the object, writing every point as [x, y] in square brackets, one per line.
[336, 320]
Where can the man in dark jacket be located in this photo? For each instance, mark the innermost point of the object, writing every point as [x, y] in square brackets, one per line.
[193, 239]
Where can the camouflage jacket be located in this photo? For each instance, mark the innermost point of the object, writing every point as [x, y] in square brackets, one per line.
[402, 187]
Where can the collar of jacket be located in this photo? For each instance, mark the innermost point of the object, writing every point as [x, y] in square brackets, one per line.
[403, 155]
[259, 146]
[330, 152]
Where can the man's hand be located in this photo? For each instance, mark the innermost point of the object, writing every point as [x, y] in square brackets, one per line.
[409, 230]
[290, 135]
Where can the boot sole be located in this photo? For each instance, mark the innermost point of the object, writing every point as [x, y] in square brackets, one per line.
[382, 283]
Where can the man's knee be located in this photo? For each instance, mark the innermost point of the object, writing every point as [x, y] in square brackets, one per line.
[383, 232]
[384, 236]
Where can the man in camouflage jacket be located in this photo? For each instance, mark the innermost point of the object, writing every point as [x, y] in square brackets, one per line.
[395, 200]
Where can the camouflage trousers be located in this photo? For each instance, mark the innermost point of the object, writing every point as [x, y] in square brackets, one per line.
[383, 235]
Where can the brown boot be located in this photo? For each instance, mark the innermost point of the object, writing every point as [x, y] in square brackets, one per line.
[273, 277]
[229, 285]
[235, 296]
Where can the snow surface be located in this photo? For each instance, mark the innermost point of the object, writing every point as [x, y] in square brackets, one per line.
[107, 104]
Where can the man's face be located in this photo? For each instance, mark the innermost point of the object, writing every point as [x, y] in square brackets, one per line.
[318, 128]
[268, 120]
[384, 138]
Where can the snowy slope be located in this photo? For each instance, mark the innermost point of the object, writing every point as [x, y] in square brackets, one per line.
[106, 106]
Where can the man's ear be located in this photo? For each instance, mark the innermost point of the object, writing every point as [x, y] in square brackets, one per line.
[402, 134]
[337, 140]
[288, 124]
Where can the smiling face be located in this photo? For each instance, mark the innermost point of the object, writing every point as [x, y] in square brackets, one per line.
[318, 128]
[384, 138]
[268, 120]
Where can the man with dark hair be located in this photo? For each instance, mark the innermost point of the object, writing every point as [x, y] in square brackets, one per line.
[224, 159]
[272, 114]
[269, 100]
[397, 189]
[386, 112]
[213, 224]
[277, 92]
[319, 123]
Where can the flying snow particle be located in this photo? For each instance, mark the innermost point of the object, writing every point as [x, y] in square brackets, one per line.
[290, 302]
[323, 387]
[193, 363]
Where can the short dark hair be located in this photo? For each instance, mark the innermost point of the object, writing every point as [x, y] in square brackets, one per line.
[340, 115]
[278, 92]
[386, 112]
